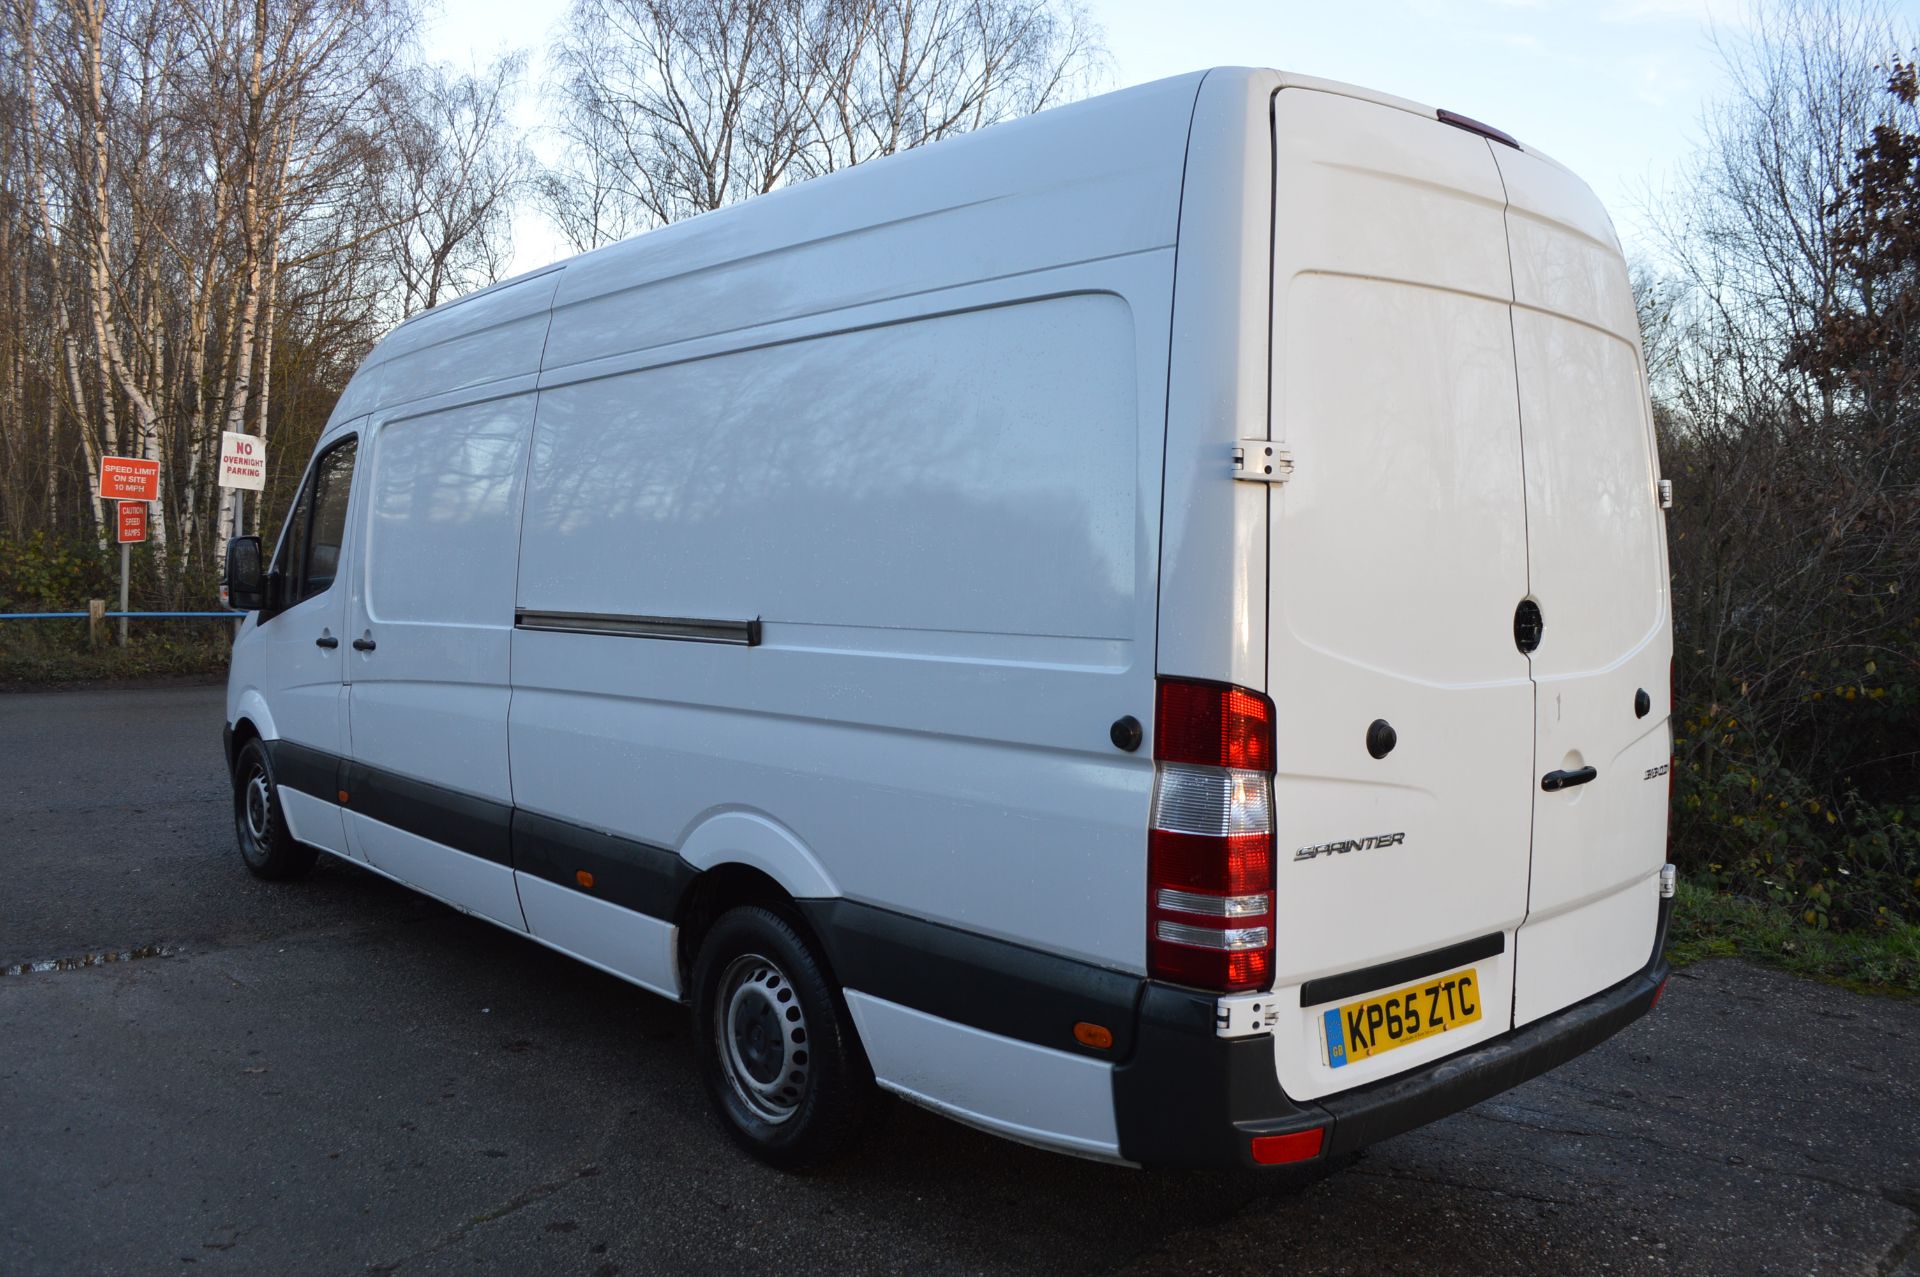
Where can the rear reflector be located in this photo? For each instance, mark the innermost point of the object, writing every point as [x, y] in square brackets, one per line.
[1210, 844]
[1657, 995]
[1300, 1146]
[1472, 125]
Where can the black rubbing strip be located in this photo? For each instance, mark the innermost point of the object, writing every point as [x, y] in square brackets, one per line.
[974, 980]
[313, 772]
[683, 628]
[478, 826]
[633, 875]
[1349, 983]
[957, 975]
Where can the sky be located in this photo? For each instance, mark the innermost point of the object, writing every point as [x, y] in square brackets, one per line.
[1614, 89]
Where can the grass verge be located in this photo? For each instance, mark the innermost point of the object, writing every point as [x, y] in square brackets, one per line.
[1709, 925]
[30, 660]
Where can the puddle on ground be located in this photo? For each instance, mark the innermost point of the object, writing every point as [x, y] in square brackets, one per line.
[90, 960]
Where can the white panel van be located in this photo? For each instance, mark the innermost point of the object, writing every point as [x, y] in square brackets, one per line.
[1144, 629]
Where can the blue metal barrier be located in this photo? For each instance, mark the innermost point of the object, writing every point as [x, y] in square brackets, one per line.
[132, 616]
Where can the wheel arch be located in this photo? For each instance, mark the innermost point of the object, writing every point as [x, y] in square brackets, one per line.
[726, 886]
[744, 857]
[251, 714]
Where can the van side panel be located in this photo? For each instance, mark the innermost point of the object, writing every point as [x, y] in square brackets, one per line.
[434, 596]
[960, 474]
[939, 524]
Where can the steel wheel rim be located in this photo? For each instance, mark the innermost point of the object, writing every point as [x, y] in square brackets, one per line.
[761, 1033]
[256, 810]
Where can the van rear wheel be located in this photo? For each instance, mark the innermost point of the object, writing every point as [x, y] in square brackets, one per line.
[266, 845]
[778, 1052]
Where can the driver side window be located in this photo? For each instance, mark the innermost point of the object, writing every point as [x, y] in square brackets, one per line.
[310, 552]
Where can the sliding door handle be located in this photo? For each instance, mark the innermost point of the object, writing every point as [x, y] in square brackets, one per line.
[326, 641]
[1553, 782]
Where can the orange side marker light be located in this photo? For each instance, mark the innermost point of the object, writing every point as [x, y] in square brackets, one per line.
[1097, 1036]
[584, 878]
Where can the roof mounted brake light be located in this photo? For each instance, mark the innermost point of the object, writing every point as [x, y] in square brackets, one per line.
[1474, 126]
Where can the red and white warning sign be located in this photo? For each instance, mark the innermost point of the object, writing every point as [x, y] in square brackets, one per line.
[133, 521]
[243, 461]
[129, 479]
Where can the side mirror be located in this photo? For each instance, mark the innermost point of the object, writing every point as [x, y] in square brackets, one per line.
[246, 588]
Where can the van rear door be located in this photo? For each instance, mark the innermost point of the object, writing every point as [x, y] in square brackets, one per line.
[1597, 566]
[1398, 559]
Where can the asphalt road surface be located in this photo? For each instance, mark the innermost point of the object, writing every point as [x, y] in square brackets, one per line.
[337, 1076]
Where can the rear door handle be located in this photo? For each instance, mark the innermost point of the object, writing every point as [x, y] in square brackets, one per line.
[1553, 782]
[364, 643]
[327, 641]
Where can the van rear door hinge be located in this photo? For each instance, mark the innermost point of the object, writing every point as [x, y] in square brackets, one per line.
[1261, 461]
[1244, 1015]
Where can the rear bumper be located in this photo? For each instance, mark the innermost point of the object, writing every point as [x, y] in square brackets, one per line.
[1169, 1116]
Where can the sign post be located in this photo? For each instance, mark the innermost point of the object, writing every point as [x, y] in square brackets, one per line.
[131, 482]
[243, 466]
[131, 526]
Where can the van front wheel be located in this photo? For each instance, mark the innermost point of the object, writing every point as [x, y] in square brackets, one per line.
[265, 842]
[777, 1049]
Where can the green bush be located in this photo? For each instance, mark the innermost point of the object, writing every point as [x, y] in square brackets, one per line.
[40, 573]
[1748, 825]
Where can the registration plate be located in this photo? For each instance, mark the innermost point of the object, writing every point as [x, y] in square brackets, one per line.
[1365, 1028]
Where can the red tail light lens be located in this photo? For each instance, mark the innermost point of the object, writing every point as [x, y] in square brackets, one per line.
[1210, 845]
[1213, 725]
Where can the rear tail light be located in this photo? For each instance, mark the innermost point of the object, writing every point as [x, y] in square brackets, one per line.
[1210, 844]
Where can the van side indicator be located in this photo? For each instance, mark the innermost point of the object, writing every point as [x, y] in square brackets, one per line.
[1351, 844]
[685, 629]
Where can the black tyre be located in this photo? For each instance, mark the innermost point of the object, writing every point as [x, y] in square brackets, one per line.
[777, 1048]
[265, 844]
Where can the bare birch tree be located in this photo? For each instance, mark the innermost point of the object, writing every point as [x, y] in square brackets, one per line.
[668, 108]
[209, 209]
[458, 164]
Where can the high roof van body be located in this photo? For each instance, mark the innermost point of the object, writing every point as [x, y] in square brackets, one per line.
[1144, 629]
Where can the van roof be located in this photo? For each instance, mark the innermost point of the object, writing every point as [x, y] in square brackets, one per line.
[1014, 135]
[1134, 133]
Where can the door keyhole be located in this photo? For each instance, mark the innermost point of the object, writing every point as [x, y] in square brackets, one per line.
[1528, 625]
